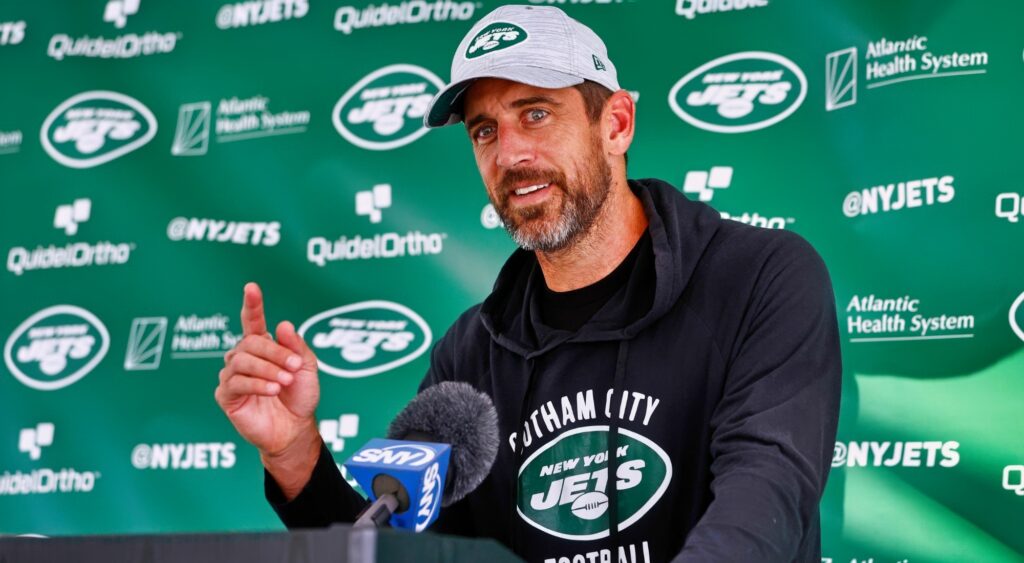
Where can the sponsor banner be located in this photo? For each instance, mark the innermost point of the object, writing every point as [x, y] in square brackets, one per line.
[887, 62]
[349, 18]
[1010, 206]
[934, 453]
[370, 204]
[235, 120]
[886, 198]
[56, 347]
[739, 92]
[880, 318]
[10, 142]
[95, 127]
[67, 218]
[203, 455]
[12, 33]
[704, 183]
[192, 337]
[126, 46]
[690, 9]
[384, 110]
[215, 230]
[367, 338]
[43, 481]
[259, 12]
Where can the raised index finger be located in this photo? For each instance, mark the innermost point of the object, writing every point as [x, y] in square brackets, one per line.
[253, 320]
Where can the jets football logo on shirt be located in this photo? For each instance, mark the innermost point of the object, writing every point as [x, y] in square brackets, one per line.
[564, 486]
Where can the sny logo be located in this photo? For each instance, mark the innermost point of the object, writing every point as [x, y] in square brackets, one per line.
[404, 454]
[370, 202]
[32, 440]
[117, 12]
[69, 216]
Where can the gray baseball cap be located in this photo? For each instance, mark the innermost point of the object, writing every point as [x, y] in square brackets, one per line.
[536, 45]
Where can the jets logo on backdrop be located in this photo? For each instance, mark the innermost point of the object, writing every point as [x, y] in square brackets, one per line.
[1017, 316]
[739, 92]
[366, 338]
[56, 347]
[495, 37]
[564, 486]
[385, 109]
[95, 127]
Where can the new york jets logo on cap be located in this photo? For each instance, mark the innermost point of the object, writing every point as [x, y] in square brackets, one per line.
[495, 37]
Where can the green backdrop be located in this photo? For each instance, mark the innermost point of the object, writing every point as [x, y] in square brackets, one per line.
[155, 156]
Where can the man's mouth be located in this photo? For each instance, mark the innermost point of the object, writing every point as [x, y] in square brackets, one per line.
[530, 189]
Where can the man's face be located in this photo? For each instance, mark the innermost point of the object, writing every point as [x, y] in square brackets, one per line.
[541, 158]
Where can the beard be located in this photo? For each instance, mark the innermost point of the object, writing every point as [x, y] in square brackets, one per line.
[546, 227]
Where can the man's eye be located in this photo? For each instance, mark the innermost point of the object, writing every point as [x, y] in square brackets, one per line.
[537, 114]
[483, 132]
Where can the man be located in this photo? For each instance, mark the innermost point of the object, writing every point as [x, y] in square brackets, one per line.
[667, 382]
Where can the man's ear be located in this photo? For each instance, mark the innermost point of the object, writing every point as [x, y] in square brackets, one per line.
[618, 121]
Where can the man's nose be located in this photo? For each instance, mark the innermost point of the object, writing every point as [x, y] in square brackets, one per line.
[514, 147]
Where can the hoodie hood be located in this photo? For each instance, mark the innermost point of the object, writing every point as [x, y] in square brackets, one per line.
[680, 232]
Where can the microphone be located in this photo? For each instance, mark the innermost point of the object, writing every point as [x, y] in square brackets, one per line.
[448, 434]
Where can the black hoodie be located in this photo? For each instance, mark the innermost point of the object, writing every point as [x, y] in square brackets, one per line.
[720, 402]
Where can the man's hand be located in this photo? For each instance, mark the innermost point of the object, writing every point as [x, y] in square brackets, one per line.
[270, 391]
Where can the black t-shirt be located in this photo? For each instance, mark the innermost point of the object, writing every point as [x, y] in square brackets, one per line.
[569, 310]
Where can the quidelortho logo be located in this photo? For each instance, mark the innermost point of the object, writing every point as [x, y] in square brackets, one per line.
[348, 18]
[369, 203]
[335, 431]
[68, 217]
[739, 92]
[692, 8]
[56, 347]
[872, 318]
[259, 233]
[95, 127]
[885, 198]
[193, 337]
[236, 120]
[260, 12]
[497, 36]
[1013, 479]
[45, 480]
[32, 440]
[366, 338]
[10, 142]
[200, 455]
[564, 486]
[888, 62]
[704, 183]
[1017, 316]
[127, 46]
[12, 33]
[1010, 206]
[385, 109]
[896, 454]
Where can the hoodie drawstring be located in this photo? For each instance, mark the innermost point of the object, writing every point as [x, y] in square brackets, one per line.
[531, 367]
[613, 446]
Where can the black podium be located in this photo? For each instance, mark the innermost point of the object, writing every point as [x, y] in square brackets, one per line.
[338, 544]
